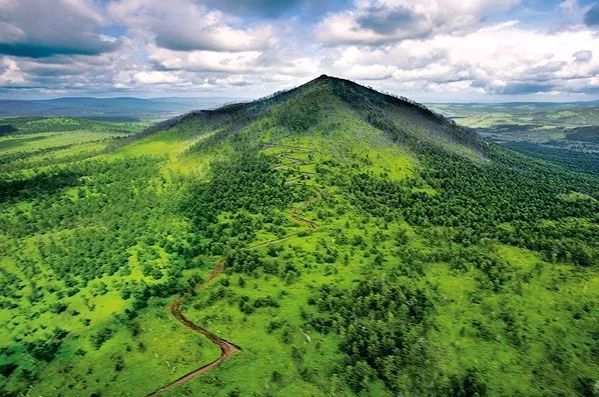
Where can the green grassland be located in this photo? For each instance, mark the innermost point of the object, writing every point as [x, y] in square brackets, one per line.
[427, 262]
[37, 142]
[565, 133]
[502, 123]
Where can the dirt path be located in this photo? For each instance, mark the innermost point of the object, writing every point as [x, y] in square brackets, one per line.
[310, 224]
[226, 348]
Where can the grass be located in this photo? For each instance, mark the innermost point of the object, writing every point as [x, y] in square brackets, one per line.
[543, 308]
[504, 124]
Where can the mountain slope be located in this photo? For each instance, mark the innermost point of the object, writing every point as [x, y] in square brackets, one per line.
[451, 208]
[328, 240]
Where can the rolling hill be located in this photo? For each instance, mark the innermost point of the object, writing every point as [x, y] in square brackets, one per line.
[565, 133]
[328, 240]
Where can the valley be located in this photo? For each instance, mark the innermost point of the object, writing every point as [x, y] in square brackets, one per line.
[565, 133]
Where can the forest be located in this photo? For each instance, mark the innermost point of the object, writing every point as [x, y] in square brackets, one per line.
[345, 242]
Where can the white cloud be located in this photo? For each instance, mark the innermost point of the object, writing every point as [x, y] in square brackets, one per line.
[378, 22]
[499, 59]
[205, 61]
[447, 49]
[10, 74]
[156, 77]
[186, 25]
[262, 64]
[582, 56]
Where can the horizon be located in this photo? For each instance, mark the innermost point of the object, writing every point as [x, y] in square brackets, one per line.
[433, 51]
[250, 99]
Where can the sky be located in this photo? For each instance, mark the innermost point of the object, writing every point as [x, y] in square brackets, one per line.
[429, 50]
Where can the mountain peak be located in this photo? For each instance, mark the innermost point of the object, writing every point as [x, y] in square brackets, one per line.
[311, 106]
[328, 78]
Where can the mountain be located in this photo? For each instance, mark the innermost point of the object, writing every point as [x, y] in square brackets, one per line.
[326, 240]
[123, 108]
[326, 101]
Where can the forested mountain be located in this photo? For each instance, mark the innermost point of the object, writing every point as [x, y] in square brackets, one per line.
[329, 240]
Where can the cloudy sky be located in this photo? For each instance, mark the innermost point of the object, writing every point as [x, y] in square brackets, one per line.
[431, 50]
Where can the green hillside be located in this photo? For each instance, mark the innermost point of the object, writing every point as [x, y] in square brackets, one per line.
[325, 241]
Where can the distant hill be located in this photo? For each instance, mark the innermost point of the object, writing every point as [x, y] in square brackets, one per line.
[474, 108]
[123, 108]
[565, 133]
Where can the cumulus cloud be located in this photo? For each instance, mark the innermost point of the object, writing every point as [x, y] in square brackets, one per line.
[582, 56]
[206, 61]
[184, 25]
[384, 21]
[36, 29]
[156, 77]
[436, 48]
[500, 59]
[379, 22]
[10, 74]
[265, 64]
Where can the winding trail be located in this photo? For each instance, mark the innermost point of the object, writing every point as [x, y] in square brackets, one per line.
[227, 349]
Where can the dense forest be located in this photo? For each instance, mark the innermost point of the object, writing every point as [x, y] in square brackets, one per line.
[368, 247]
